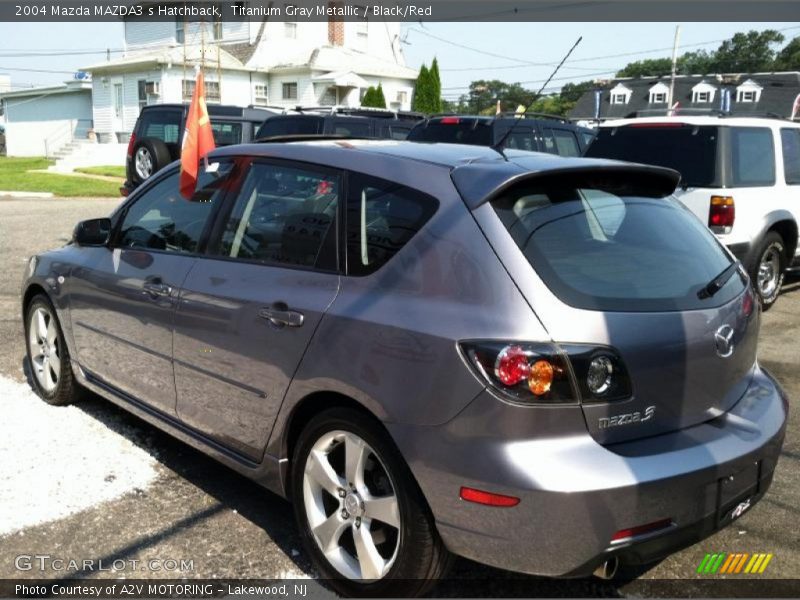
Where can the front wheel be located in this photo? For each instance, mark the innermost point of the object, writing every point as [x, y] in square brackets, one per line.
[362, 518]
[768, 267]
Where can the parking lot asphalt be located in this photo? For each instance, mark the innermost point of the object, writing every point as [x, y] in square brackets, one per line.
[196, 510]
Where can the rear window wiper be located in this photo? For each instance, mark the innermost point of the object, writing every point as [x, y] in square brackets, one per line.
[718, 282]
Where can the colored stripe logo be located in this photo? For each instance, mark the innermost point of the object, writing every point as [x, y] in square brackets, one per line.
[734, 563]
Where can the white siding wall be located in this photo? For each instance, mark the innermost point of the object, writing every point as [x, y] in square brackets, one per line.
[306, 94]
[37, 126]
[144, 36]
[102, 109]
[391, 88]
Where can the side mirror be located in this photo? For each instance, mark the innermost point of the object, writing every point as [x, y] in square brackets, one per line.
[93, 232]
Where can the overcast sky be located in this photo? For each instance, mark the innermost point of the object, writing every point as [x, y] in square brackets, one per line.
[531, 42]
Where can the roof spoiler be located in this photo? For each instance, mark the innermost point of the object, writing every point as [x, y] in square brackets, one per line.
[479, 183]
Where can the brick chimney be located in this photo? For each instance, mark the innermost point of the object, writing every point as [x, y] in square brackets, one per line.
[335, 28]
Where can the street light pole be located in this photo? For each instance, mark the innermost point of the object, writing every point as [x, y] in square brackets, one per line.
[670, 100]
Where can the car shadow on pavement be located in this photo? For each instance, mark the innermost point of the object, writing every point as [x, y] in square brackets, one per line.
[274, 515]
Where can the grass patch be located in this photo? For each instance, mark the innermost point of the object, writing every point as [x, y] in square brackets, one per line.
[15, 177]
[107, 171]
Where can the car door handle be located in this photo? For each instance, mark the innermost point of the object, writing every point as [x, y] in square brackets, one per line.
[156, 289]
[280, 315]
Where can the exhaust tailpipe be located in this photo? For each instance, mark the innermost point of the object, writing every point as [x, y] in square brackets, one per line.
[608, 569]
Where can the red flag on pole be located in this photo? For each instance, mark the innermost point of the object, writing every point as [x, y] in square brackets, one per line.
[198, 139]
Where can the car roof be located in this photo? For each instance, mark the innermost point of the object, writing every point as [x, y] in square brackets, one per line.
[703, 120]
[477, 171]
[221, 110]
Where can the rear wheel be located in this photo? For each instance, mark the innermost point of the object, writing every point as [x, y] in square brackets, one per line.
[768, 267]
[51, 369]
[362, 517]
[149, 156]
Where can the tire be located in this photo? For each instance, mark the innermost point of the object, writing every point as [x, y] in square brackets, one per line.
[767, 268]
[408, 555]
[48, 356]
[150, 155]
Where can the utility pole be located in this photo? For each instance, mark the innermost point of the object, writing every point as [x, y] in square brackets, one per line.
[670, 100]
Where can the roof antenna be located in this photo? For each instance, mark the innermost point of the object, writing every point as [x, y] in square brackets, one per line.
[499, 145]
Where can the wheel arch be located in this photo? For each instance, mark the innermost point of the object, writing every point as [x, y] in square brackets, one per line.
[34, 289]
[783, 223]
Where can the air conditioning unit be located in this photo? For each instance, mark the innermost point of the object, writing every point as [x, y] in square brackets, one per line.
[152, 88]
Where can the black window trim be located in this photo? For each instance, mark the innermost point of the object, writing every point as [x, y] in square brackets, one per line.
[245, 163]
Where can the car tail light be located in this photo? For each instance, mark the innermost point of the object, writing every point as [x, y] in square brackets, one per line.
[450, 121]
[626, 534]
[548, 374]
[722, 212]
[748, 301]
[487, 498]
[131, 142]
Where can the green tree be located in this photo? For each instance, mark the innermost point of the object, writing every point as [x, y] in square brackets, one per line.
[788, 59]
[369, 97]
[700, 62]
[380, 99]
[436, 87]
[422, 90]
[649, 67]
[484, 94]
[747, 52]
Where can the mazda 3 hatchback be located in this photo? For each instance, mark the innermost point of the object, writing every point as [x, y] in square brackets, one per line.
[543, 364]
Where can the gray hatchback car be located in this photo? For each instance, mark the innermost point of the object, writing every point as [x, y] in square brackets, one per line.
[543, 364]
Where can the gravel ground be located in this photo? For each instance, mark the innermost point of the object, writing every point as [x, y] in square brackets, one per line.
[194, 509]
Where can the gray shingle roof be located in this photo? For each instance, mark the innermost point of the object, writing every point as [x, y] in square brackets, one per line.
[779, 91]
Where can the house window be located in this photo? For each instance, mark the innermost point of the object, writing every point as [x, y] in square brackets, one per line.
[658, 98]
[290, 91]
[702, 97]
[118, 100]
[619, 98]
[180, 32]
[402, 97]
[142, 87]
[261, 96]
[212, 90]
[746, 96]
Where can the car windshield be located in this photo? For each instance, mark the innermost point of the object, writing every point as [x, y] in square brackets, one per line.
[692, 151]
[601, 249]
[455, 131]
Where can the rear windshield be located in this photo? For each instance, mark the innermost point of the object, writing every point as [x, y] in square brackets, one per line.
[611, 250]
[290, 126]
[692, 151]
[464, 132]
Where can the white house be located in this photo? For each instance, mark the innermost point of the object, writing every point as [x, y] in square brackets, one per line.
[39, 121]
[258, 62]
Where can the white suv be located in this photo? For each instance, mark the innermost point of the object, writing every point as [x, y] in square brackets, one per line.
[740, 176]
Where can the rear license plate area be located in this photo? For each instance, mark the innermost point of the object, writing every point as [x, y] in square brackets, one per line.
[736, 492]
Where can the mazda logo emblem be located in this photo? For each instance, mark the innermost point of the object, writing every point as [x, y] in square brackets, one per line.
[723, 339]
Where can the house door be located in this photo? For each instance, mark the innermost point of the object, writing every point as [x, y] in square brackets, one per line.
[117, 104]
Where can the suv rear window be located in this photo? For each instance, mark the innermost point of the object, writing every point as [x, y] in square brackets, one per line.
[614, 248]
[692, 151]
[164, 125]
[290, 126]
[460, 132]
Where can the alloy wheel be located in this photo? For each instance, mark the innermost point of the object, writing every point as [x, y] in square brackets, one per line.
[351, 506]
[44, 350]
[144, 163]
[769, 272]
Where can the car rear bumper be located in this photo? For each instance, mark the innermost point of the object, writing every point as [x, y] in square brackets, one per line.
[576, 494]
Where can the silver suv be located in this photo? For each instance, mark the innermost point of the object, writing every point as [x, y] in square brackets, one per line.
[543, 364]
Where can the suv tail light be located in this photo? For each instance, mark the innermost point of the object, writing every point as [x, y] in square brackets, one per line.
[449, 120]
[131, 142]
[722, 213]
[549, 374]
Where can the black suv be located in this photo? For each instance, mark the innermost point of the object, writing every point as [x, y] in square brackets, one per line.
[158, 135]
[533, 131]
[337, 121]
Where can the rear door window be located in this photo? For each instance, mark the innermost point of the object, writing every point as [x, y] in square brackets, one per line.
[521, 138]
[284, 215]
[226, 133]
[613, 249]
[752, 156]
[381, 218]
[790, 142]
[561, 142]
